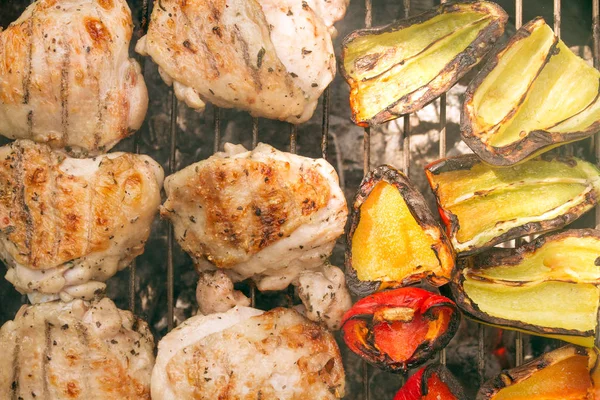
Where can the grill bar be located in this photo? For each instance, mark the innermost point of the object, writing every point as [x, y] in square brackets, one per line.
[596, 55]
[366, 168]
[519, 354]
[325, 124]
[172, 167]
[217, 122]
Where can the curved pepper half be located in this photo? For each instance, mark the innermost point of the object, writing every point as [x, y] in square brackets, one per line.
[401, 328]
[433, 382]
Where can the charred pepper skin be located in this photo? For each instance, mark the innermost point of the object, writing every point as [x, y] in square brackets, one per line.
[375, 69]
[437, 274]
[568, 372]
[431, 382]
[401, 328]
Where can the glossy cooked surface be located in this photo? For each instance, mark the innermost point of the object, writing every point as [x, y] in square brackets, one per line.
[69, 224]
[77, 350]
[567, 373]
[542, 286]
[479, 203]
[402, 66]
[263, 213]
[270, 58]
[66, 78]
[248, 354]
[533, 95]
[388, 243]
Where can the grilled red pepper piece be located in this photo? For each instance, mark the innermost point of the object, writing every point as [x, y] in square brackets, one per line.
[401, 328]
[431, 383]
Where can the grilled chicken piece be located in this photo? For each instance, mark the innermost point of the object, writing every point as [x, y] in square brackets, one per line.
[247, 354]
[323, 292]
[76, 350]
[330, 11]
[324, 295]
[261, 214]
[272, 58]
[66, 224]
[215, 293]
[66, 78]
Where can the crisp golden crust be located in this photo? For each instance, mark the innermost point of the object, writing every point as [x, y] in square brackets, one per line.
[276, 355]
[76, 350]
[233, 206]
[55, 210]
[66, 78]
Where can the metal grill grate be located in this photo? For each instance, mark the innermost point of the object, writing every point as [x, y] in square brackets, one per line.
[406, 161]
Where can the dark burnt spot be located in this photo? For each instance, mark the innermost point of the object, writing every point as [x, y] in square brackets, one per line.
[188, 45]
[217, 31]
[367, 62]
[97, 30]
[597, 262]
[260, 56]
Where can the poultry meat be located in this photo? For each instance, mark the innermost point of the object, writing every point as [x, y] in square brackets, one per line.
[76, 350]
[67, 224]
[261, 214]
[66, 78]
[272, 58]
[245, 353]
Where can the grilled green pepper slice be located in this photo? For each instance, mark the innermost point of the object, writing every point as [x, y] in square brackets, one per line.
[548, 286]
[399, 68]
[533, 95]
[482, 205]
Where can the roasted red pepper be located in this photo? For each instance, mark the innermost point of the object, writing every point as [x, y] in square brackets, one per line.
[431, 383]
[401, 328]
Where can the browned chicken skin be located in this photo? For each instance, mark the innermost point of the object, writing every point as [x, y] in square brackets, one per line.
[248, 354]
[67, 225]
[66, 78]
[75, 351]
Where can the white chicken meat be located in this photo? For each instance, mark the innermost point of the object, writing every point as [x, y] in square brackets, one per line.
[68, 224]
[262, 214]
[247, 354]
[66, 78]
[76, 350]
[272, 58]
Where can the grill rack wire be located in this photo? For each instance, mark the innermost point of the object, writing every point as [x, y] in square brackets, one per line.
[406, 159]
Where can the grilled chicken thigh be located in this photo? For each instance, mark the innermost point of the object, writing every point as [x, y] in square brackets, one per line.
[66, 224]
[272, 58]
[247, 354]
[66, 78]
[76, 350]
[262, 214]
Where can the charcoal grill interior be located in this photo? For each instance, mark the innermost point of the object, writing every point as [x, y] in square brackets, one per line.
[160, 285]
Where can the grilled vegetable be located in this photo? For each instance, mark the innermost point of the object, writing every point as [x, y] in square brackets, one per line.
[568, 373]
[533, 95]
[483, 205]
[394, 239]
[548, 286]
[431, 383]
[398, 68]
[401, 328]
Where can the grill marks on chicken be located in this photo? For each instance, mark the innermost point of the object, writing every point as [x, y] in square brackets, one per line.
[257, 213]
[265, 215]
[66, 78]
[66, 224]
[275, 206]
[247, 354]
[271, 58]
[75, 350]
